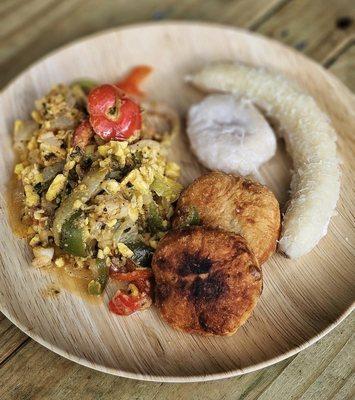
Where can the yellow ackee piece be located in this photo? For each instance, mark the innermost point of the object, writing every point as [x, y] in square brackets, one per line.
[124, 250]
[32, 198]
[18, 169]
[56, 187]
[172, 170]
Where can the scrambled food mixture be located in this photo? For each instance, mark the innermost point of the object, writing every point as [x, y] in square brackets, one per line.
[98, 189]
[99, 195]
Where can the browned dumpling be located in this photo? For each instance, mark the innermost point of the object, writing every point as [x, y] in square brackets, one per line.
[234, 204]
[207, 280]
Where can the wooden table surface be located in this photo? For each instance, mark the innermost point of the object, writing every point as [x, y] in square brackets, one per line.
[322, 29]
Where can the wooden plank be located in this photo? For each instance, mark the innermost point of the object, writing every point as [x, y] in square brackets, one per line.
[347, 392]
[48, 12]
[314, 27]
[333, 377]
[108, 387]
[7, 5]
[68, 20]
[344, 68]
[243, 13]
[31, 371]
[307, 368]
[314, 31]
[25, 12]
[27, 373]
[10, 338]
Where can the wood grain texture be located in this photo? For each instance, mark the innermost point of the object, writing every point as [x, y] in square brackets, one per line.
[84, 383]
[11, 338]
[313, 27]
[23, 41]
[344, 67]
[41, 374]
[312, 294]
[308, 25]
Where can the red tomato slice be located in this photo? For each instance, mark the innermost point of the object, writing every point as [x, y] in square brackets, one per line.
[124, 304]
[82, 135]
[132, 276]
[113, 115]
[130, 84]
[141, 277]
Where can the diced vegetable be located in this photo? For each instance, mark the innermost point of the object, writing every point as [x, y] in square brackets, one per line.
[126, 304]
[139, 274]
[154, 220]
[62, 122]
[50, 172]
[126, 233]
[31, 196]
[113, 115]
[82, 135]
[192, 217]
[142, 254]
[124, 250]
[85, 84]
[166, 187]
[160, 122]
[83, 192]
[97, 286]
[42, 256]
[72, 239]
[56, 187]
[23, 131]
[137, 297]
[130, 84]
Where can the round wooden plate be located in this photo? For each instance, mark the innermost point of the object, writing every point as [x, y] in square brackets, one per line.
[302, 300]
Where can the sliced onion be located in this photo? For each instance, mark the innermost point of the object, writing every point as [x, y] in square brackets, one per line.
[23, 132]
[83, 192]
[145, 143]
[50, 172]
[63, 122]
[50, 139]
[160, 122]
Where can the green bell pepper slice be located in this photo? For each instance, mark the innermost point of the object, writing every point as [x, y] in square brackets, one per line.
[154, 220]
[192, 217]
[166, 187]
[142, 254]
[86, 84]
[97, 286]
[72, 239]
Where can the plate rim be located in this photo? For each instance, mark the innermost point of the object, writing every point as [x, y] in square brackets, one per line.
[170, 378]
[179, 378]
[171, 22]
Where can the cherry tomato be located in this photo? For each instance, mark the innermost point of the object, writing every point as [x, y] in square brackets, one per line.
[82, 135]
[113, 115]
[131, 83]
[126, 304]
